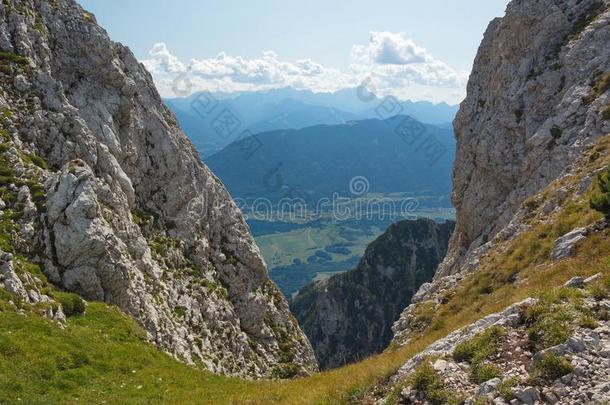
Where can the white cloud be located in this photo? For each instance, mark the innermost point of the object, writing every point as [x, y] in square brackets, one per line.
[162, 60]
[393, 62]
[387, 48]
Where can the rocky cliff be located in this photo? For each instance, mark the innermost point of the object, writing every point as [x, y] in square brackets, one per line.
[532, 138]
[537, 98]
[349, 316]
[103, 191]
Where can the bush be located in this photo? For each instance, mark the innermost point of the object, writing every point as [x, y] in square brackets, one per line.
[550, 319]
[285, 371]
[11, 57]
[551, 367]
[600, 200]
[38, 161]
[485, 372]
[427, 381]
[480, 347]
[556, 132]
[505, 388]
[72, 304]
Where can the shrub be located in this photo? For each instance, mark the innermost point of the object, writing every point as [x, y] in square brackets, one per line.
[556, 132]
[427, 381]
[72, 304]
[180, 311]
[485, 372]
[285, 371]
[600, 200]
[11, 57]
[551, 367]
[505, 388]
[588, 322]
[550, 325]
[38, 161]
[480, 347]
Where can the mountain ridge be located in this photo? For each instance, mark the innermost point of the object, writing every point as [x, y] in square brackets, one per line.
[378, 150]
[288, 108]
[108, 199]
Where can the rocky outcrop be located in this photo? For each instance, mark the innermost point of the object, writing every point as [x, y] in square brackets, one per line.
[349, 316]
[537, 98]
[502, 359]
[107, 192]
[27, 288]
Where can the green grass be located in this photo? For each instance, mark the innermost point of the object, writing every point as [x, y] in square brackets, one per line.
[505, 388]
[103, 356]
[427, 381]
[485, 372]
[551, 367]
[549, 320]
[72, 304]
[480, 347]
[11, 57]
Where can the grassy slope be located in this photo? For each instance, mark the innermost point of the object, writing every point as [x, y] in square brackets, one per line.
[102, 356]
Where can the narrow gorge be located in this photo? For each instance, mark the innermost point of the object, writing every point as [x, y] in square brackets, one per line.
[349, 316]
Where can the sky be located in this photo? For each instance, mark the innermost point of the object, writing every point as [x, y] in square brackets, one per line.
[419, 50]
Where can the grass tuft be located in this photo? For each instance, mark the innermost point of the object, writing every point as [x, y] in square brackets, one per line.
[551, 367]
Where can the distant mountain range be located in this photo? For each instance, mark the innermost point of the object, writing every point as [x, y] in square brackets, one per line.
[287, 108]
[395, 155]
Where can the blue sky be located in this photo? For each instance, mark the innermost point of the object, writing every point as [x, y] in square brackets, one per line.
[322, 45]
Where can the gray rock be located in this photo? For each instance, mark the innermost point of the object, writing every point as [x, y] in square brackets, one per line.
[528, 395]
[440, 365]
[564, 245]
[576, 344]
[21, 83]
[575, 282]
[523, 119]
[488, 386]
[549, 397]
[593, 278]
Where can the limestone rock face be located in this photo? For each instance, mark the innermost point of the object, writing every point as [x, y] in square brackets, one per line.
[534, 101]
[349, 316]
[128, 212]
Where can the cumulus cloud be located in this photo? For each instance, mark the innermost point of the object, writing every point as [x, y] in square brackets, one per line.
[390, 62]
[162, 61]
[387, 48]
